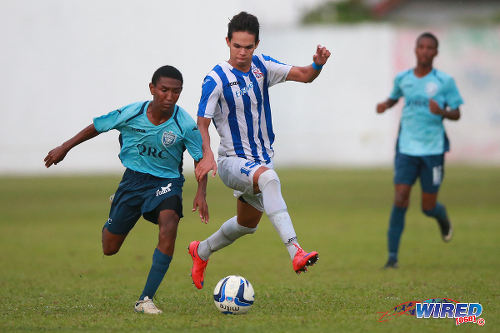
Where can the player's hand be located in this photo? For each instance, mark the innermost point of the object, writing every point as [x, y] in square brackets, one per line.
[55, 156]
[321, 56]
[206, 164]
[381, 107]
[200, 204]
[434, 107]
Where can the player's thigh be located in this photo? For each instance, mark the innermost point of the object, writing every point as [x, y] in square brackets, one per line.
[169, 214]
[237, 173]
[432, 173]
[406, 169]
[154, 207]
[123, 215]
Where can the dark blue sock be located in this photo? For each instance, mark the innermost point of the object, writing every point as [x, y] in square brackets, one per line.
[438, 212]
[396, 226]
[158, 269]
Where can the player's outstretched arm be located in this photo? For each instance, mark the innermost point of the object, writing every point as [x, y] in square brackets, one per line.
[200, 199]
[308, 73]
[57, 154]
[207, 163]
[451, 115]
[387, 104]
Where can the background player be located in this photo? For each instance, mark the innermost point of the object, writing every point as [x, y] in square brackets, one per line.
[153, 137]
[430, 96]
[235, 96]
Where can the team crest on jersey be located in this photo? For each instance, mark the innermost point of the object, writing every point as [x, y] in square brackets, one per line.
[168, 138]
[431, 89]
[256, 71]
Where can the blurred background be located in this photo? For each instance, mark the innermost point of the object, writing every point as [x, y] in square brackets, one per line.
[65, 62]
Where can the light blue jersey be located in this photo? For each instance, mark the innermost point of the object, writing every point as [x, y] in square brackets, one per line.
[422, 132]
[147, 148]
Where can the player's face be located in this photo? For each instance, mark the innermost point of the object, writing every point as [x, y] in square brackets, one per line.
[166, 92]
[241, 48]
[425, 50]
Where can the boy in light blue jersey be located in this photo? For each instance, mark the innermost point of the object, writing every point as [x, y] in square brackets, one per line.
[430, 96]
[153, 137]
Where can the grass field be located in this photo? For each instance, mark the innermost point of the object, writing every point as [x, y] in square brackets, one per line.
[54, 276]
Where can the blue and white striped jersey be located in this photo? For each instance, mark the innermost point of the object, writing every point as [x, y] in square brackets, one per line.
[238, 104]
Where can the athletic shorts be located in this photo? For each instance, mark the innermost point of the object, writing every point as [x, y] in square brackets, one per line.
[237, 173]
[429, 168]
[143, 194]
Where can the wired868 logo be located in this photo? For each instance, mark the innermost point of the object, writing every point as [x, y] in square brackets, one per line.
[438, 308]
[461, 312]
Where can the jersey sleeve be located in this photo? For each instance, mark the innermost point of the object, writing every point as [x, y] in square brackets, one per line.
[192, 140]
[396, 92]
[453, 98]
[276, 71]
[115, 119]
[210, 93]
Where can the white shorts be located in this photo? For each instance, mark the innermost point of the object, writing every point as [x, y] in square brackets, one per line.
[237, 173]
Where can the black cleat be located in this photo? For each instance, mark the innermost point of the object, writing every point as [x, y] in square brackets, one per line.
[391, 263]
[446, 230]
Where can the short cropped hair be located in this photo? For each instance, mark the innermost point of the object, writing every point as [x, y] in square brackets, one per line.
[429, 35]
[243, 22]
[166, 71]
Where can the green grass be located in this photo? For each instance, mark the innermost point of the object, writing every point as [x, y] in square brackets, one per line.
[54, 276]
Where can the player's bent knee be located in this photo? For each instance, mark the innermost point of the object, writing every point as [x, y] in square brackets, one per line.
[111, 243]
[233, 231]
[109, 251]
[428, 212]
[401, 200]
[250, 230]
[267, 177]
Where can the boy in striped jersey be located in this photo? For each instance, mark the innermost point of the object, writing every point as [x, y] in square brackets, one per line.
[235, 97]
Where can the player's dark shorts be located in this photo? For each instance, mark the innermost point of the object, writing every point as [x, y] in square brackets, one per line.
[143, 194]
[429, 168]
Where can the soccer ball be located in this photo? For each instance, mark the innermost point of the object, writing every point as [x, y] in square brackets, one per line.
[233, 295]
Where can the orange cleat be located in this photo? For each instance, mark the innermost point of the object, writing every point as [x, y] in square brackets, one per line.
[199, 265]
[303, 259]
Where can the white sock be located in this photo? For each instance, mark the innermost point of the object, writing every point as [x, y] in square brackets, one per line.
[276, 210]
[227, 233]
[283, 225]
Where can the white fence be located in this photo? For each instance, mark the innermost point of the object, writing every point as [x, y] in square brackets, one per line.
[64, 64]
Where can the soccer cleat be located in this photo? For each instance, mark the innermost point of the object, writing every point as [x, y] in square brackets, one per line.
[446, 230]
[391, 263]
[146, 306]
[303, 259]
[199, 265]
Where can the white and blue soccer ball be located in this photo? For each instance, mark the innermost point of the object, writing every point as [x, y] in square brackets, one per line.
[233, 295]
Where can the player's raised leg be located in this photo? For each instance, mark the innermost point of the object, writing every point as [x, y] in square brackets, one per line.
[275, 207]
[431, 177]
[168, 221]
[237, 226]
[432, 208]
